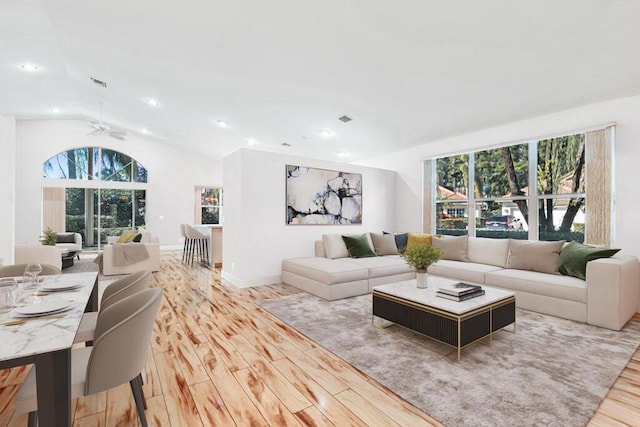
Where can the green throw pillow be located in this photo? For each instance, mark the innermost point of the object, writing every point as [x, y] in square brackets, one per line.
[358, 246]
[574, 258]
[137, 238]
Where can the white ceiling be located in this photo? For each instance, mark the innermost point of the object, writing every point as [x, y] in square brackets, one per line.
[408, 72]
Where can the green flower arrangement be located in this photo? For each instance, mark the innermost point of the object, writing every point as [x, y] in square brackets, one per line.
[421, 256]
[49, 237]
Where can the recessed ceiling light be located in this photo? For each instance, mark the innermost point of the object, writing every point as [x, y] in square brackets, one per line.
[30, 68]
[153, 102]
[251, 141]
[145, 131]
[55, 110]
[342, 154]
[286, 144]
[325, 133]
[222, 124]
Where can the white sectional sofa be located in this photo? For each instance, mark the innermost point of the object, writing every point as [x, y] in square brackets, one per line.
[608, 297]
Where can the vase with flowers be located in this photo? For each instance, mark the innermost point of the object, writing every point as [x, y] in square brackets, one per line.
[420, 257]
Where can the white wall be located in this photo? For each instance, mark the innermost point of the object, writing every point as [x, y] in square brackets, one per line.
[625, 112]
[172, 175]
[7, 188]
[256, 237]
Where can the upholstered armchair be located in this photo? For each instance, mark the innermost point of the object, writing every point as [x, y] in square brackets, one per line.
[70, 241]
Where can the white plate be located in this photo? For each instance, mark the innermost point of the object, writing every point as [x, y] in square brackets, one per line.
[43, 308]
[55, 286]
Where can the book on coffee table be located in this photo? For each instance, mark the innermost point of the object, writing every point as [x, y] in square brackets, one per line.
[459, 298]
[458, 289]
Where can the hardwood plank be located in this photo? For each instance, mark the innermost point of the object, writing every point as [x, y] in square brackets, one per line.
[289, 396]
[322, 399]
[238, 403]
[156, 413]
[312, 417]
[267, 403]
[210, 404]
[90, 405]
[619, 411]
[192, 370]
[364, 409]
[180, 405]
[95, 420]
[120, 408]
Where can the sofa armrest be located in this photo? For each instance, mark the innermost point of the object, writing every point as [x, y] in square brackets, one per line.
[613, 291]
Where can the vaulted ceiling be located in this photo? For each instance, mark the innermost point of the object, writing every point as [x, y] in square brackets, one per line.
[283, 71]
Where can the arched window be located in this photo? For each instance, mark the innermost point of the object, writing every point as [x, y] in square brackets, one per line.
[94, 191]
[96, 164]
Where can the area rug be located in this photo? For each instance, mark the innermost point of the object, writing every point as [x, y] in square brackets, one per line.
[552, 372]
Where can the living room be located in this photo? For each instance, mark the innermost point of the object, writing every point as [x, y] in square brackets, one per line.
[256, 236]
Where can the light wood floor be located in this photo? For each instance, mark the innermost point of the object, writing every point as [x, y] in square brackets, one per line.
[217, 359]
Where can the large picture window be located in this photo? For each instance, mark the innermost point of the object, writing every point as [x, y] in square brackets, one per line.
[501, 203]
[94, 191]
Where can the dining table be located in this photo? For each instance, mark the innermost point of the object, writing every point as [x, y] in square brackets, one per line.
[46, 340]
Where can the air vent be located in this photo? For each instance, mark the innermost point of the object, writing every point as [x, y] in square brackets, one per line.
[99, 82]
[345, 119]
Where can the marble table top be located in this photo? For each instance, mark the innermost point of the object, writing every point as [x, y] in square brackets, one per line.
[427, 296]
[36, 335]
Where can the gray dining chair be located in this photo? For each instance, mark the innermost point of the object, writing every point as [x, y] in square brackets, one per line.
[15, 270]
[114, 292]
[119, 354]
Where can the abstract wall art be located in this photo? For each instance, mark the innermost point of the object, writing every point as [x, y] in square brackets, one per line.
[321, 196]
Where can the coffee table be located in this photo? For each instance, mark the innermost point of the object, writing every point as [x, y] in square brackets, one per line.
[456, 324]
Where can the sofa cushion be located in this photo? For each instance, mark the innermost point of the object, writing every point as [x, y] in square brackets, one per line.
[453, 247]
[543, 257]
[467, 271]
[416, 239]
[326, 270]
[383, 266]
[358, 246]
[551, 285]
[483, 250]
[384, 244]
[575, 256]
[334, 246]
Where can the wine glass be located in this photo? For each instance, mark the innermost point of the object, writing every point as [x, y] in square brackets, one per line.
[33, 270]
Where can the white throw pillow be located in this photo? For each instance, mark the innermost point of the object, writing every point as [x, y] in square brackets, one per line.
[334, 246]
[483, 250]
[454, 247]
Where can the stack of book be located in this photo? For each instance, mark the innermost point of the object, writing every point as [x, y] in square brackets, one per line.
[459, 291]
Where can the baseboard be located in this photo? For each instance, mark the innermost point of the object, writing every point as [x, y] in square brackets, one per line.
[251, 282]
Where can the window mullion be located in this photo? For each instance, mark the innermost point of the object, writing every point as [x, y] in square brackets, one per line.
[471, 197]
[532, 200]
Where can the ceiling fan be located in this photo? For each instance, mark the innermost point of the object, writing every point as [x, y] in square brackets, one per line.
[101, 128]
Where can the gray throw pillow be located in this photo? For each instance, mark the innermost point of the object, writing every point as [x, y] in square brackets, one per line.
[384, 244]
[543, 257]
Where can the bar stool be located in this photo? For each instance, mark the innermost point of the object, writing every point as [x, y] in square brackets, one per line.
[183, 231]
[198, 242]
